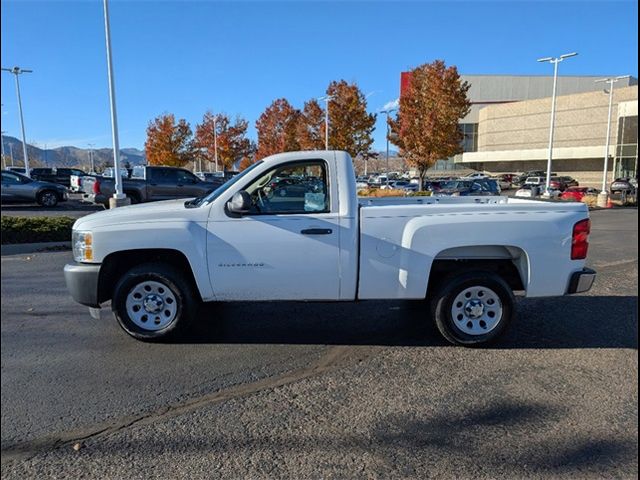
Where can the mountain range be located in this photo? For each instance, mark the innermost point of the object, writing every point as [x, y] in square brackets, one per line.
[67, 156]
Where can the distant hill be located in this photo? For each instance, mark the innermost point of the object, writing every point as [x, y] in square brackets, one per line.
[69, 156]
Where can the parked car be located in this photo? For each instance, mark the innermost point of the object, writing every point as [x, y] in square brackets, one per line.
[570, 181]
[522, 178]
[620, 185]
[576, 194]
[475, 175]
[59, 175]
[150, 183]
[465, 187]
[157, 262]
[528, 191]
[20, 188]
[503, 182]
[556, 183]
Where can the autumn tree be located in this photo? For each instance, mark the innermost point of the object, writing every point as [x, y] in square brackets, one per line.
[230, 138]
[350, 126]
[169, 143]
[310, 128]
[426, 126]
[277, 128]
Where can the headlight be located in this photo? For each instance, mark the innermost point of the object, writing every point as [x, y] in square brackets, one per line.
[82, 243]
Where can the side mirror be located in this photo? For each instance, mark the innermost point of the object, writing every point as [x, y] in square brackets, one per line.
[240, 203]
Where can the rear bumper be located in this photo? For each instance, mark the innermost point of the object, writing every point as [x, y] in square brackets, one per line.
[581, 281]
[82, 283]
[98, 199]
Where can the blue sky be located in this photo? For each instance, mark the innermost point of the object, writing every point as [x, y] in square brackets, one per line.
[187, 57]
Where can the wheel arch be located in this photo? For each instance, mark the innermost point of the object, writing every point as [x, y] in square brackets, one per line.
[511, 263]
[117, 263]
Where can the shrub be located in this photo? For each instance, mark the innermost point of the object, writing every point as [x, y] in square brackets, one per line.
[36, 229]
[377, 192]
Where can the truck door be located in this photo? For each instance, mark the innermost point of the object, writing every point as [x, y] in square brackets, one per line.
[287, 247]
[161, 183]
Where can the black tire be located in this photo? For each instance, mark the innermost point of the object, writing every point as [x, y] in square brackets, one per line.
[134, 197]
[47, 198]
[186, 304]
[442, 308]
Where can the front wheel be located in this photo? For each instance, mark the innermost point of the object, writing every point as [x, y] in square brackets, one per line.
[153, 302]
[473, 308]
[48, 198]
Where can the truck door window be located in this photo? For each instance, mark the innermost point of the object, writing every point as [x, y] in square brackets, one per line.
[300, 187]
[185, 177]
[164, 176]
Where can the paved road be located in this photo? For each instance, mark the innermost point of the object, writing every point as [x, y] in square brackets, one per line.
[72, 208]
[324, 390]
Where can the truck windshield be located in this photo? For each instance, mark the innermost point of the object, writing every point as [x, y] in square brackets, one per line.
[221, 189]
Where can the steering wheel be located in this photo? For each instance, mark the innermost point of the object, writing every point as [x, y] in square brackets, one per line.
[263, 204]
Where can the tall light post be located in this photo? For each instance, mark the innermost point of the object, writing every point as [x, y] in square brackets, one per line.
[91, 145]
[611, 81]
[215, 140]
[555, 62]
[17, 71]
[326, 99]
[118, 195]
[4, 160]
[387, 112]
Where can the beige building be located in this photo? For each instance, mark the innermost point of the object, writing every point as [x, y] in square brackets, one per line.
[514, 136]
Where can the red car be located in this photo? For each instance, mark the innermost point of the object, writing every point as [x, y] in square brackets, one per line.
[576, 193]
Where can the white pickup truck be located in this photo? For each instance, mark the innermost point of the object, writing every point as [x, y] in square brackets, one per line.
[291, 227]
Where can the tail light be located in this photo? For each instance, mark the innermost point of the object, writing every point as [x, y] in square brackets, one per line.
[96, 187]
[580, 239]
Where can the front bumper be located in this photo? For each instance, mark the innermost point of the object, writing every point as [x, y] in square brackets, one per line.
[82, 282]
[581, 281]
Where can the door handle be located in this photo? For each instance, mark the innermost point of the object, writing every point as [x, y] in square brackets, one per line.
[316, 231]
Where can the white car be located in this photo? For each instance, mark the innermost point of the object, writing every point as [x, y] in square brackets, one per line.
[465, 255]
[527, 191]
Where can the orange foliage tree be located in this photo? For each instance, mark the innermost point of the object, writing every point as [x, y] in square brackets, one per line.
[232, 143]
[426, 126]
[169, 143]
[350, 126]
[310, 130]
[277, 128]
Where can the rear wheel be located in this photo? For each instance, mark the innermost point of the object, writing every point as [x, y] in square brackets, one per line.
[153, 301]
[47, 198]
[473, 308]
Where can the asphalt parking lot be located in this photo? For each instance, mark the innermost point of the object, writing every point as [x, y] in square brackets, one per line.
[73, 207]
[317, 390]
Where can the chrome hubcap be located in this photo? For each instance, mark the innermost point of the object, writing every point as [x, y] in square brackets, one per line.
[151, 305]
[476, 310]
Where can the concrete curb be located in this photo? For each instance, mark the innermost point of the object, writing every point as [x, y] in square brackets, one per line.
[22, 248]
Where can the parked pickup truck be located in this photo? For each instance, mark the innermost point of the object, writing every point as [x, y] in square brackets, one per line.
[466, 256]
[148, 184]
[61, 176]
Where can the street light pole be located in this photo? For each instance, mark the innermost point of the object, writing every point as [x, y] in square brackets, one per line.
[91, 145]
[4, 160]
[215, 141]
[387, 112]
[118, 195]
[611, 81]
[555, 62]
[326, 99]
[18, 71]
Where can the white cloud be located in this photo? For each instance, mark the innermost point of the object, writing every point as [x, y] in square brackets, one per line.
[392, 104]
